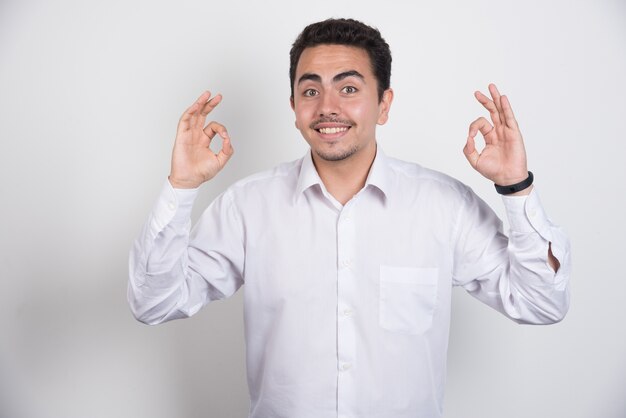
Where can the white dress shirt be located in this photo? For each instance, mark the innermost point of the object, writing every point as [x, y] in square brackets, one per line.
[347, 308]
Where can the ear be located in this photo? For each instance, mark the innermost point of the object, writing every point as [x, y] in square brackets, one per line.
[292, 103]
[384, 106]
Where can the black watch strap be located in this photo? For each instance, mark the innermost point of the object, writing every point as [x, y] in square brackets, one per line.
[517, 187]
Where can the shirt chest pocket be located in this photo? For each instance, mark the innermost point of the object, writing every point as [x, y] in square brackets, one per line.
[408, 297]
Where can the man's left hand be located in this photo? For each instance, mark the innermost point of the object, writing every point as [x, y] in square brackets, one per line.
[503, 159]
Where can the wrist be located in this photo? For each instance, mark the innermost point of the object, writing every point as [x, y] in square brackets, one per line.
[510, 178]
[519, 188]
[178, 184]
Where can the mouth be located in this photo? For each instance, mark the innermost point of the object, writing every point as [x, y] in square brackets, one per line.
[332, 130]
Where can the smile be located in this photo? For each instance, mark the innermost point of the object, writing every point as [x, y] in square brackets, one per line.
[333, 130]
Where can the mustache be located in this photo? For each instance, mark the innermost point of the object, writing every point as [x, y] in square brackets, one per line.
[331, 120]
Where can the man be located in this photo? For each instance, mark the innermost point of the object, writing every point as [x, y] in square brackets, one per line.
[348, 256]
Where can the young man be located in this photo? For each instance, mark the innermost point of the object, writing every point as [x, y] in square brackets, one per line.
[348, 256]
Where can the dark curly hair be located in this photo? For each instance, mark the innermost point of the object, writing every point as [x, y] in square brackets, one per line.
[348, 32]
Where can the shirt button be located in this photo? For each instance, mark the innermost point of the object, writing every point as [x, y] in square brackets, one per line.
[345, 366]
[171, 205]
[347, 312]
[345, 264]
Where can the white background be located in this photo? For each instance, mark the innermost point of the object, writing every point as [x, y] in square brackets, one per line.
[90, 95]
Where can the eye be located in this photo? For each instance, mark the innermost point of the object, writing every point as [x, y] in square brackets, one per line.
[310, 93]
[349, 89]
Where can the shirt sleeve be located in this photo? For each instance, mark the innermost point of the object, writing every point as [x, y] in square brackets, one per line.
[174, 271]
[512, 274]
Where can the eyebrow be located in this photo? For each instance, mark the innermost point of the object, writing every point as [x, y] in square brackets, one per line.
[346, 74]
[316, 78]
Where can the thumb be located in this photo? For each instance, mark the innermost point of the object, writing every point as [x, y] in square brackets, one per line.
[470, 152]
[226, 152]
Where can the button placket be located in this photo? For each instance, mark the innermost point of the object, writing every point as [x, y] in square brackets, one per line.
[346, 330]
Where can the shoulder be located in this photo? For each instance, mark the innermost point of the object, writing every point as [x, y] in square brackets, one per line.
[409, 175]
[274, 182]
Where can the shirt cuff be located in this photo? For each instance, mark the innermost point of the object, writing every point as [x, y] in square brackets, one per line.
[526, 214]
[173, 206]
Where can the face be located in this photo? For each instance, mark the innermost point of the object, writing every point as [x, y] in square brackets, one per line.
[336, 102]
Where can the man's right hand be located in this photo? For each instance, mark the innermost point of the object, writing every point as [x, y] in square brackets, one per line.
[193, 162]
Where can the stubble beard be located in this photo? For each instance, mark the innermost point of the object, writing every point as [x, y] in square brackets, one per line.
[338, 155]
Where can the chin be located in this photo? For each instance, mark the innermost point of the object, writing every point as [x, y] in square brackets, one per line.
[336, 155]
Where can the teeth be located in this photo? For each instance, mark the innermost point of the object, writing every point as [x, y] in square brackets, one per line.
[333, 130]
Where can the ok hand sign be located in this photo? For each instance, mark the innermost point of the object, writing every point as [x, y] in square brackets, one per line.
[503, 159]
[193, 161]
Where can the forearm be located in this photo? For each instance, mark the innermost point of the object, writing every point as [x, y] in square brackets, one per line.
[552, 260]
[533, 291]
[157, 277]
[514, 274]
[174, 273]
[537, 248]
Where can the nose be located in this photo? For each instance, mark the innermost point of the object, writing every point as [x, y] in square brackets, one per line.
[329, 105]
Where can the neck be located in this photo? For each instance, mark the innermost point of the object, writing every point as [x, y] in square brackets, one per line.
[343, 179]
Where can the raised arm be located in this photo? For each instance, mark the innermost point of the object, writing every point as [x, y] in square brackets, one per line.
[503, 159]
[170, 275]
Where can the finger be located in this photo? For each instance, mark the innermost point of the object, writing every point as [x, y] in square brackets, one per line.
[225, 153]
[216, 128]
[483, 126]
[495, 94]
[509, 117]
[206, 108]
[189, 113]
[490, 106]
[470, 152]
[210, 105]
[205, 103]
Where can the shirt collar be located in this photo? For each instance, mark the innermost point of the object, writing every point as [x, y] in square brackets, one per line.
[379, 175]
[308, 175]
